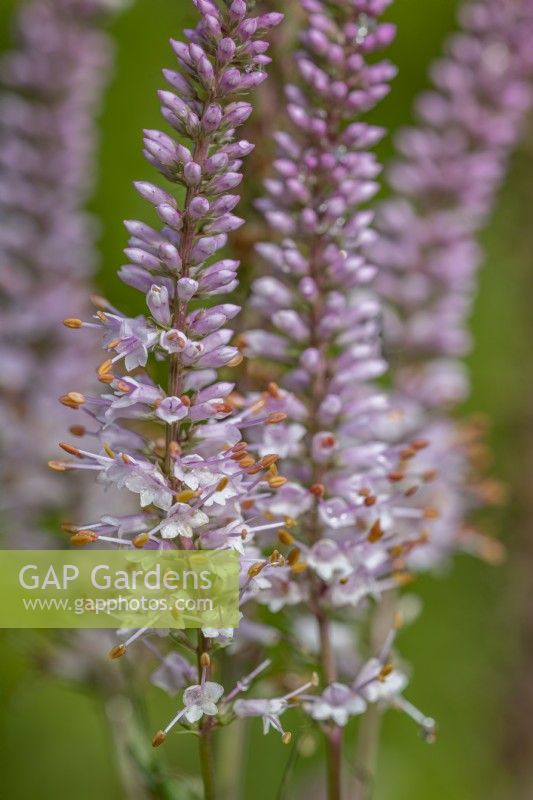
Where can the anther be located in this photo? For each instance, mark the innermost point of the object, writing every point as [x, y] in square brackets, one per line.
[72, 399]
[318, 489]
[117, 652]
[158, 739]
[70, 449]
[72, 322]
[83, 537]
[275, 417]
[140, 540]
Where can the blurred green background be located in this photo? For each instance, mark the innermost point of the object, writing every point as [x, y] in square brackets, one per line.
[471, 648]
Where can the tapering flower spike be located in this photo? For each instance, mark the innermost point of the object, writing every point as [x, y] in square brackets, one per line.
[179, 448]
[349, 489]
[51, 85]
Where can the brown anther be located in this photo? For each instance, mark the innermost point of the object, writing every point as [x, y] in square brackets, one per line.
[396, 551]
[395, 477]
[159, 739]
[205, 661]
[240, 341]
[236, 360]
[275, 417]
[112, 344]
[98, 301]
[186, 496]
[185, 399]
[420, 444]
[239, 447]
[78, 430]
[254, 470]
[318, 489]
[69, 527]
[108, 450]
[105, 368]
[126, 458]
[272, 470]
[275, 556]
[123, 387]
[430, 475]
[70, 449]
[72, 322]
[255, 569]
[370, 500]
[294, 556]
[343, 581]
[286, 738]
[407, 453]
[386, 670]
[273, 390]
[237, 456]
[268, 515]
[117, 652]
[285, 537]
[246, 461]
[83, 537]
[364, 492]
[268, 460]
[410, 491]
[59, 466]
[277, 482]
[328, 441]
[258, 406]
[140, 540]
[247, 504]
[223, 408]
[109, 378]
[298, 568]
[431, 513]
[289, 522]
[101, 316]
[376, 532]
[72, 399]
[223, 482]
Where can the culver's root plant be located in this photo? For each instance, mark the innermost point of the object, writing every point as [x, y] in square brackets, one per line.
[362, 485]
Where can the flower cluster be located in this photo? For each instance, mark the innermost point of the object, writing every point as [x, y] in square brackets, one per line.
[354, 494]
[445, 182]
[51, 85]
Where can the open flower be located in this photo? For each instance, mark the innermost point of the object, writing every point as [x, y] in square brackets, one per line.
[202, 699]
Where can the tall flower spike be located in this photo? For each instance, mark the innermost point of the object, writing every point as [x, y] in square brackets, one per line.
[51, 86]
[445, 181]
[193, 477]
[322, 323]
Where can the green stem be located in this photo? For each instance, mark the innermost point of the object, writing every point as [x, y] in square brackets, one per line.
[333, 733]
[207, 761]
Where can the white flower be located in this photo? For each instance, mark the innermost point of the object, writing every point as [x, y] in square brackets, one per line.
[142, 478]
[202, 699]
[269, 710]
[338, 703]
[182, 522]
[374, 687]
[222, 635]
[282, 439]
[327, 560]
[171, 409]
